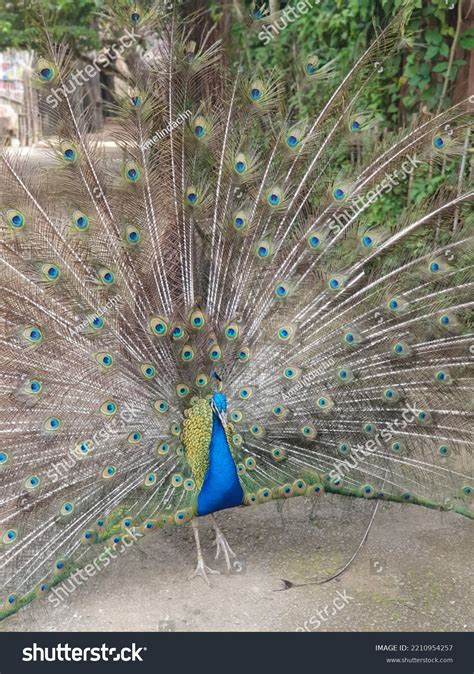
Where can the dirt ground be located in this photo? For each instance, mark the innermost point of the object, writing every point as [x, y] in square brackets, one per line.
[413, 573]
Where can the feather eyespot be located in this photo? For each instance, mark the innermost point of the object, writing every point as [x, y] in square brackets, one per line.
[80, 221]
[158, 326]
[161, 406]
[109, 408]
[45, 70]
[148, 370]
[231, 331]
[32, 334]
[15, 219]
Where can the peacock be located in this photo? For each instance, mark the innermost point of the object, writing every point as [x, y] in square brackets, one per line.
[202, 314]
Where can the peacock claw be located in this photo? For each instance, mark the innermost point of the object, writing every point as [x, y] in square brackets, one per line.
[203, 570]
[222, 544]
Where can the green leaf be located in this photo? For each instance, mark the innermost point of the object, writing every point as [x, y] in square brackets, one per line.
[466, 39]
[441, 67]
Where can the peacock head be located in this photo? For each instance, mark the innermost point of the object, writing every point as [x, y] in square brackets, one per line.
[219, 402]
[219, 406]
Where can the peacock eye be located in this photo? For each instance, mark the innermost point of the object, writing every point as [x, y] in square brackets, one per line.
[32, 482]
[106, 276]
[132, 172]
[200, 127]
[175, 428]
[45, 70]
[182, 390]
[240, 221]
[197, 319]
[35, 386]
[163, 448]
[69, 152]
[15, 219]
[104, 359]
[148, 370]
[240, 164]
[32, 334]
[215, 353]
[309, 432]
[291, 372]
[285, 333]
[274, 196]
[108, 472]
[255, 91]
[80, 221]
[244, 355]
[177, 333]
[108, 408]
[51, 272]
[279, 411]
[192, 195]
[202, 380]
[187, 354]
[67, 508]
[150, 479]
[177, 480]
[135, 437]
[338, 193]
[52, 424]
[161, 406]
[231, 331]
[282, 289]
[158, 326]
[132, 234]
[344, 448]
[96, 322]
[314, 241]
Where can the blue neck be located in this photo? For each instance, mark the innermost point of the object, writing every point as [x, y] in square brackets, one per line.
[221, 487]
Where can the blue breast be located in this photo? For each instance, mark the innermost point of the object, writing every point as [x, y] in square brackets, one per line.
[221, 487]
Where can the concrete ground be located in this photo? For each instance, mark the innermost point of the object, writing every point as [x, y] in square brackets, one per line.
[413, 573]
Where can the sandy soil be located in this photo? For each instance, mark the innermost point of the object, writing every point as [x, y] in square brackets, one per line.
[413, 573]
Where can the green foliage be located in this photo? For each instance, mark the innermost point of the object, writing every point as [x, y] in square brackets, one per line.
[413, 79]
[67, 19]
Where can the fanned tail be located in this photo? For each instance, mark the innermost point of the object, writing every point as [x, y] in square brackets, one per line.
[222, 240]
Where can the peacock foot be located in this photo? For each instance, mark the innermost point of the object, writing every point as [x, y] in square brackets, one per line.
[202, 570]
[223, 546]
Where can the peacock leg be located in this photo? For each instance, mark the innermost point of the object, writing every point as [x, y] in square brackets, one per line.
[222, 544]
[201, 568]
